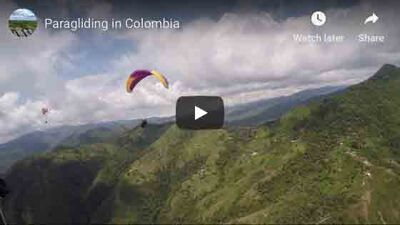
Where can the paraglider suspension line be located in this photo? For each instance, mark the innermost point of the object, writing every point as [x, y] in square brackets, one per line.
[3, 218]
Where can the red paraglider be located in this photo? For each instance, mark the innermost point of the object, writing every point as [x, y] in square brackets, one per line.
[45, 111]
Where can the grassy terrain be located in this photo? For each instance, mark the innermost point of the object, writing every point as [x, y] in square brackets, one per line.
[335, 161]
[22, 24]
[44, 141]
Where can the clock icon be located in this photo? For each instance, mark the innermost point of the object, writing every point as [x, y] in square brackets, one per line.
[318, 18]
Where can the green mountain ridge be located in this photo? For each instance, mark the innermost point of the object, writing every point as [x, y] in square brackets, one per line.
[330, 161]
[45, 141]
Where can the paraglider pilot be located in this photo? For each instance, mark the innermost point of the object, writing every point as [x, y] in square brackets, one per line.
[143, 124]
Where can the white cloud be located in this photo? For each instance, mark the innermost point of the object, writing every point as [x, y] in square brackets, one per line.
[30, 65]
[243, 54]
[16, 117]
[22, 14]
[240, 57]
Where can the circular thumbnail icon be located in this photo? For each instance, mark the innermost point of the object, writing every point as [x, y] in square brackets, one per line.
[318, 18]
[22, 22]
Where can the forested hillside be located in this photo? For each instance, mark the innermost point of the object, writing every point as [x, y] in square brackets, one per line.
[335, 161]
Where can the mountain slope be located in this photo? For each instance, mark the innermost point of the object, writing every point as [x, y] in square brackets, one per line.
[335, 161]
[69, 182]
[43, 141]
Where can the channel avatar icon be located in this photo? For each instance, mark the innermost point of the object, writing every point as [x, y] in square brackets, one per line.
[22, 22]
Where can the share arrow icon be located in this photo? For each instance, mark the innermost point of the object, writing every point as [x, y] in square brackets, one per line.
[373, 19]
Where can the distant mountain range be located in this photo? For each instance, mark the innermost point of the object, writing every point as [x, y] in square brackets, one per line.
[256, 113]
[335, 161]
[43, 141]
[250, 114]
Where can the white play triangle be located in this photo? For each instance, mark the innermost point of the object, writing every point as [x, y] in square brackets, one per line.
[198, 113]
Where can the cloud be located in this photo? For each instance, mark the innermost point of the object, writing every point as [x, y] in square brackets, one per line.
[238, 53]
[15, 118]
[23, 14]
[241, 57]
[30, 66]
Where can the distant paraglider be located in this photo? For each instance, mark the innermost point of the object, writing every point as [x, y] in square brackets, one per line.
[45, 111]
[139, 75]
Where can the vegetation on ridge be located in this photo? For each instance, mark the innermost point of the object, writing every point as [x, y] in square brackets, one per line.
[335, 161]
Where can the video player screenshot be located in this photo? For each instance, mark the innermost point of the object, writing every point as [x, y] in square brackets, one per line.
[200, 112]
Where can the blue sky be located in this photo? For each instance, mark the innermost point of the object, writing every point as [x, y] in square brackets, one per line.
[91, 54]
